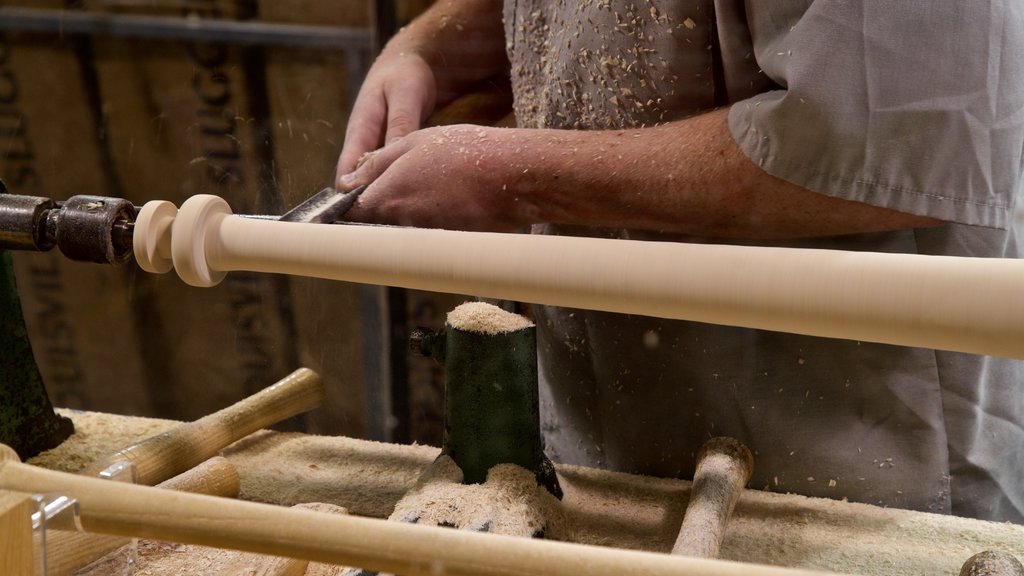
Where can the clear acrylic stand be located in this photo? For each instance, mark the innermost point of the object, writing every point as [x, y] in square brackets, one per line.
[53, 513]
[62, 547]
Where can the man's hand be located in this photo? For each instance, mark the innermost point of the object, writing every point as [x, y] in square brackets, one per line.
[461, 177]
[398, 93]
[450, 48]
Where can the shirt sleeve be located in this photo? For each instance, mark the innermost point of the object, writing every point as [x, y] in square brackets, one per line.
[913, 106]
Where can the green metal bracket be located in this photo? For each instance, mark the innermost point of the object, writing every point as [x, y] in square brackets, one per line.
[28, 423]
[492, 411]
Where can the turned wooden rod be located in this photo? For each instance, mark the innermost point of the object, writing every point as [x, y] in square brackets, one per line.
[168, 454]
[724, 466]
[132, 510]
[943, 302]
[68, 552]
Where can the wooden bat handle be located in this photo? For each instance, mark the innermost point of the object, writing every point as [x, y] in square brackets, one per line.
[215, 477]
[68, 552]
[171, 453]
[369, 543]
[992, 563]
[724, 466]
[942, 302]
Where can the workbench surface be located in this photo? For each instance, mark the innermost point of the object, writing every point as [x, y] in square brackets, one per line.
[599, 507]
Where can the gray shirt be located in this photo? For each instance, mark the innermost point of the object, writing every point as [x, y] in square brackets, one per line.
[919, 110]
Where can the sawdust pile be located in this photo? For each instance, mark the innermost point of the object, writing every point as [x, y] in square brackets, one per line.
[484, 318]
[96, 436]
[508, 502]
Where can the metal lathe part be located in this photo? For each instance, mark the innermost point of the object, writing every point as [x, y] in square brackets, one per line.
[325, 207]
[28, 423]
[22, 221]
[85, 229]
[64, 22]
[492, 409]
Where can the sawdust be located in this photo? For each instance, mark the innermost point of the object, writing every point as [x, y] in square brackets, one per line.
[292, 468]
[167, 559]
[509, 502]
[484, 318]
[599, 507]
[366, 157]
[96, 436]
[607, 65]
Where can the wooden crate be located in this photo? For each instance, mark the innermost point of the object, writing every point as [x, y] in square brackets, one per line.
[162, 119]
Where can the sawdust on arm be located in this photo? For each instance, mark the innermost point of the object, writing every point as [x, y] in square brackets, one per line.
[687, 177]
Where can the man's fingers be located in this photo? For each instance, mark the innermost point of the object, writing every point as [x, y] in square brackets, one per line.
[393, 102]
[363, 133]
[403, 119]
[358, 142]
[409, 105]
[371, 166]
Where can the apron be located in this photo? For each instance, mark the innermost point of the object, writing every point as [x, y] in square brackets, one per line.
[879, 424]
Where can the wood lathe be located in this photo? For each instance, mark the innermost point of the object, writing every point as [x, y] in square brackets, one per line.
[606, 523]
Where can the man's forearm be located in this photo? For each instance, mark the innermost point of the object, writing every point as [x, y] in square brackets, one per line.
[688, 177]
[462, 40]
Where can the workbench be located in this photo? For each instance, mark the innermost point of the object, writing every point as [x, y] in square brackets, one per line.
[599, 507]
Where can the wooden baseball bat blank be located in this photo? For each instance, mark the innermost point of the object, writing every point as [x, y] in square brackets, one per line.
[67, 552]
[942, 302]
[724, 466]
[158, 458]
[374, 544]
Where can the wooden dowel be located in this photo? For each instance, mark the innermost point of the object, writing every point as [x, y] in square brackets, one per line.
[252, 564]
[67, 552]
[373, 544]
[724, 466]
[943, 302]
[215, 477]
[158, 458]
[992, 563]
[176, 458]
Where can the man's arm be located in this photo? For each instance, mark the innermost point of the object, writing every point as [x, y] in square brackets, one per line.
[449, 48]
[687, 177]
